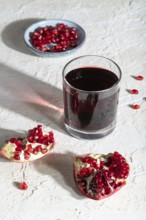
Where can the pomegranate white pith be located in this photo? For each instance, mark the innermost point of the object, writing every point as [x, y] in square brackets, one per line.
[98, 176]
[34, 146]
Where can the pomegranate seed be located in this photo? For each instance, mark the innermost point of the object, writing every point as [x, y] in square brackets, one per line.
[36, 33]
[102, 164]
[31, 132]
[18, 143]
[84, 172]
[40, 135]
[90, 160]
[29, 148]
[18, 148]
[44, 150]
[45, 142]
[139, 77]
[136, 106]
[13, 140]
[134, 91]
[39, 148]
[51, 134]
[31, 139]
[16, 156]
[35, 151]
[119, 184]
[23, 186]
[111, 173]
[39, 127]
[26, 155]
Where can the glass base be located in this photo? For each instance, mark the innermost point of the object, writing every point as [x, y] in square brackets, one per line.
[90, 135]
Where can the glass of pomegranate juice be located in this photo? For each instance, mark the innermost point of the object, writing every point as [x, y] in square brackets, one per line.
[91, 92]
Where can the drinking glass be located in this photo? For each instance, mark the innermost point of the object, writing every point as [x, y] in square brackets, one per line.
[91, 87]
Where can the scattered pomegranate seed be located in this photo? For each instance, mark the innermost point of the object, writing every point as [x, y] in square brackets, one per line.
[134, 91]
[136, 106]
[139, 77]
[23, 186]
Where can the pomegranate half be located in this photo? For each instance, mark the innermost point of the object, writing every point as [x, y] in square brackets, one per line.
[98, 176]
[35, 145]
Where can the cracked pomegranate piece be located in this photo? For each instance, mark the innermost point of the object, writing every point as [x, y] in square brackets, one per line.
[98, 176]
[35, 145]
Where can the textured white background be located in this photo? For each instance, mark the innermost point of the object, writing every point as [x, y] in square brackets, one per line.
[28, 84]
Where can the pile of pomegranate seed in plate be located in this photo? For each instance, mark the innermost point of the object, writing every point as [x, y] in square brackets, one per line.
[35, 145]
[54, 39]
[98, 176]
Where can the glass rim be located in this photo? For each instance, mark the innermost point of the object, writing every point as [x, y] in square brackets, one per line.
[99, 91]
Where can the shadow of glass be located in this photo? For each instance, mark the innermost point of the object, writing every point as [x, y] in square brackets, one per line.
[31, 98]
[12, 34]
[57, 166]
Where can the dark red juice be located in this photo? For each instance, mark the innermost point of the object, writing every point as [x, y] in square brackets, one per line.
[90, 98]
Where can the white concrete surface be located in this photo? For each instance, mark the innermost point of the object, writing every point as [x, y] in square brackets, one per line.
[30, 85]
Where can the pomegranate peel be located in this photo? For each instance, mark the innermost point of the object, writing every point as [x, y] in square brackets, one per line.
[98, 176]
[35, 145]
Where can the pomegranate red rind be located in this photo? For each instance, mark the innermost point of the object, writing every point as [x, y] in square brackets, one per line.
[98, 176]
[37, 144]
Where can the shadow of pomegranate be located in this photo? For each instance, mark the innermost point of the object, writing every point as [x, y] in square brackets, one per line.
[60, 168]
[12, 34]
